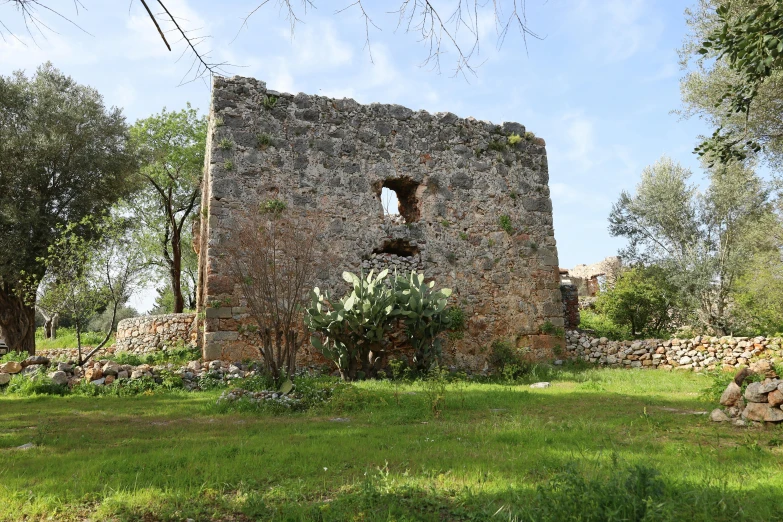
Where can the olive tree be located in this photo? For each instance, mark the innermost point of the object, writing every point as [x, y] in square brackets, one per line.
[735, 83]
[702, 239]
[63, 155]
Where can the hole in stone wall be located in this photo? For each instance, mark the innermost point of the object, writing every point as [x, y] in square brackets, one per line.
[398, 247]
[398, 197]
[396, 255]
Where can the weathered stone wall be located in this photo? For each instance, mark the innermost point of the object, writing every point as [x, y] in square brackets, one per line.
[152, 332]
[455, 178]
[698, 353]
[570, 295]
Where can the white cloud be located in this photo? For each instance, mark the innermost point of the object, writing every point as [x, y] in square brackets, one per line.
[318, 47]
[23, 52]
[580, 132]
[664, 72]
[616, 29]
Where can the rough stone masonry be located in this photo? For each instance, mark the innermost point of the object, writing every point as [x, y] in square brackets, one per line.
[475, 206]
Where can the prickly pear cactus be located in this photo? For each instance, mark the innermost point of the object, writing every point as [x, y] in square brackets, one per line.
[423, 312]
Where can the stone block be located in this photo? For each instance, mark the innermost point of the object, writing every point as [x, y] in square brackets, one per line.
[223, 312]
[212, 351]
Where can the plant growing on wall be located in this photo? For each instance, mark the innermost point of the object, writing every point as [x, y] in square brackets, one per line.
[274, 257]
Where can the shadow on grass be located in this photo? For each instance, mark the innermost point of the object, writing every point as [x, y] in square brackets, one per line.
[623, 494]
[576, 491]
[491, 447]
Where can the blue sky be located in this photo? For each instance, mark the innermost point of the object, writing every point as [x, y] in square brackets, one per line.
[599, 88]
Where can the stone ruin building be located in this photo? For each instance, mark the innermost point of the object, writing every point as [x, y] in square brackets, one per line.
[589, 278]
[580, 286]
[475, 209]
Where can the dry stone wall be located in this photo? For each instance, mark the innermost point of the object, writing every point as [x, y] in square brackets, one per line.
[476, 214]
[698, 353]
[152, 332]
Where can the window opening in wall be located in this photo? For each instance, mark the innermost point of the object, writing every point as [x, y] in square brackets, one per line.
[390, 202]
[398, 199]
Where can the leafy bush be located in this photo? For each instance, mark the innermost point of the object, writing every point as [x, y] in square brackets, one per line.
[26, 385]
[508, 361]
[642, 299]
[14, 356]
[603, 326]
[211, 381]
[720, 379]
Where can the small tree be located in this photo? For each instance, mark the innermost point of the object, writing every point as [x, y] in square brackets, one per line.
[273, 258]
[171, 147]
[84, 276]
[68, 288]
[642, 298]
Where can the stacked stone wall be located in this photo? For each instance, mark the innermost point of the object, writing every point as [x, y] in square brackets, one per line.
[698, 353]
[476, 215]
[152, 332]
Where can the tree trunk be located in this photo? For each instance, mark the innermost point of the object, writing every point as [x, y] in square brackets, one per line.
[47, 327]
[175, 271]
[17, 322]
[55, 325]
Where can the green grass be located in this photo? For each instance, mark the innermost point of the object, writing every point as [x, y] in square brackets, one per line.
[600, 444]
[66, 338]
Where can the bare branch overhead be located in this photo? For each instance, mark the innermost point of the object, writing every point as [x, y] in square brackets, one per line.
[455, 28]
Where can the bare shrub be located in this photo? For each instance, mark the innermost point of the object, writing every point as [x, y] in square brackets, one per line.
[274, 257]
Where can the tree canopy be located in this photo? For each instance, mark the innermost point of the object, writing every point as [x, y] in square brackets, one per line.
[737, 83]
[703, 239]
[63, 156]
[171, 148]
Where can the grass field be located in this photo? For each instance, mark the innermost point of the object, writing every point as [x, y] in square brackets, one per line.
[66, 338]
[597, 445]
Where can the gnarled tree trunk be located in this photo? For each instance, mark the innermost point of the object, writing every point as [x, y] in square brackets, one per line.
[17, 321]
